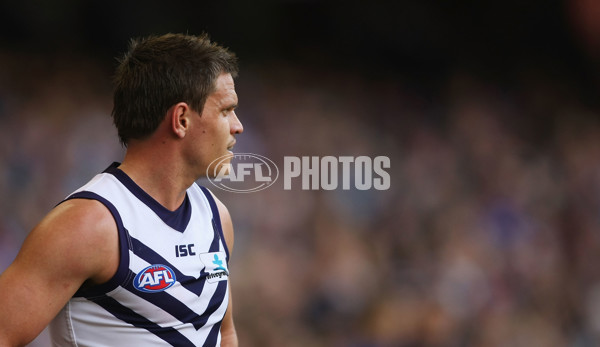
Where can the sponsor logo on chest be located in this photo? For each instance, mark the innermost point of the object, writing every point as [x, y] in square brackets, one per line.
[215, 265]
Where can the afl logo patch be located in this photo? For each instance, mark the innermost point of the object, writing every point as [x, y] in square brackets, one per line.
[154, 278]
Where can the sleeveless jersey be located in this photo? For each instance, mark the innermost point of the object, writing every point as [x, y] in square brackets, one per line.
[171, 286]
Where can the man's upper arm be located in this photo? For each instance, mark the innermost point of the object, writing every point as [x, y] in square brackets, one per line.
[75, 242]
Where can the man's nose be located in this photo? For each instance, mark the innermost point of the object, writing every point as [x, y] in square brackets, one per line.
[236, 125]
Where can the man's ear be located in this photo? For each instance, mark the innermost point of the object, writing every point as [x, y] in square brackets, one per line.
[179, 115]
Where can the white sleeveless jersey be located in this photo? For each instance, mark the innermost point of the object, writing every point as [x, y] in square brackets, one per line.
[171, 284]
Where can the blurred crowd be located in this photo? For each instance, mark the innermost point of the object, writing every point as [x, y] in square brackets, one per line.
[488, 236]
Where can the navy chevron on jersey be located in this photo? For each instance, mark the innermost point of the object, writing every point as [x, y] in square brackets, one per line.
[171, 287]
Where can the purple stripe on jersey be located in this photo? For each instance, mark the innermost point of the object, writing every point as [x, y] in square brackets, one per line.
[215, 302]
[178, 219]
[213, 336]
[193, 284]
[169, 304]
[216, 217]
[169, 335]
[121, 275]
[214, 246]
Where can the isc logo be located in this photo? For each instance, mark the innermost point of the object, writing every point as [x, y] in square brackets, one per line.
[154, 278]
[184, 250]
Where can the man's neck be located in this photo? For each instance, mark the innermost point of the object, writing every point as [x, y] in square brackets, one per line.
[160, 177]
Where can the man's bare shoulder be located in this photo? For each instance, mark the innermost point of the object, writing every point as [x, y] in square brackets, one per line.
[90, 215]
[82, 234]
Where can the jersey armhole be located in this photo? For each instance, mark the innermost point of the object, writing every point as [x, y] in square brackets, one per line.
[122, 273]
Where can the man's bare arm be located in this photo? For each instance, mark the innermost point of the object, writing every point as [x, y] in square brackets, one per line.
[76, 242]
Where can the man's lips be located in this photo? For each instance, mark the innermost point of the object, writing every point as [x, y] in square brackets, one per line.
[230, 147]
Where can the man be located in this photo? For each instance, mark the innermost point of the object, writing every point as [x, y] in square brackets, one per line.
[138, 256]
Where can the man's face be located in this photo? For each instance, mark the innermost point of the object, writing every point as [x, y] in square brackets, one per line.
[216, 127]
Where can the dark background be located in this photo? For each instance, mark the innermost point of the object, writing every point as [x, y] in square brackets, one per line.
[420, 42]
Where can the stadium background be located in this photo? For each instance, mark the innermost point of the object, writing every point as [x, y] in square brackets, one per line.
[490, 232]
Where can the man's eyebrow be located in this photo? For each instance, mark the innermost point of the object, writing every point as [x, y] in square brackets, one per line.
[231, 106]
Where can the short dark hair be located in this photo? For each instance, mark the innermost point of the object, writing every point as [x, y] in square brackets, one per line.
[159, 71]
